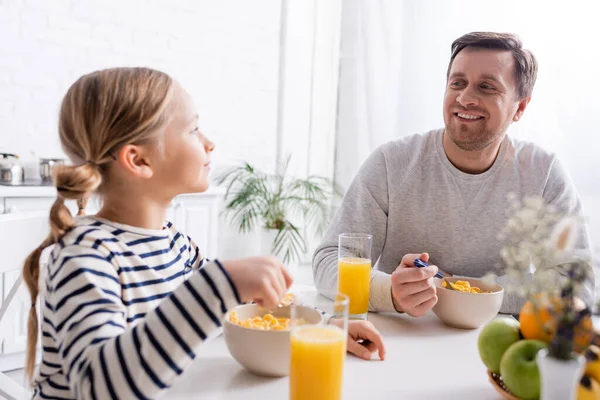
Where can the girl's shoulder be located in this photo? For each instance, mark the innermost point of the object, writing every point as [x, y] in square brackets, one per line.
[91, 232]
[89, 240]
[95, 235]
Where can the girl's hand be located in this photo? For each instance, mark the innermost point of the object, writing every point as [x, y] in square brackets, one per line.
[263, 280]
[364, 339]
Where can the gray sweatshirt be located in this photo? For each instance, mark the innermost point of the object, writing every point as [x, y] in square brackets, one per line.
[410, 197]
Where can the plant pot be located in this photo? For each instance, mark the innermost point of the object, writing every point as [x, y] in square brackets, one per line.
[267, 238]
[559, 378]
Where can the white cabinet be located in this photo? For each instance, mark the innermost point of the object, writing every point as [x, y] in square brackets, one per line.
[23, 204]
[196, 215]
[14, 334]
[198, 218]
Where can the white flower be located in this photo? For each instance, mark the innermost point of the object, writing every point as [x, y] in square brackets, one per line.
[535, 238]
[564, 235]
[525, 220]
[534, 203]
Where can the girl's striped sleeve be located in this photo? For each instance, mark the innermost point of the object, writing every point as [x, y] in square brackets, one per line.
[100, 355]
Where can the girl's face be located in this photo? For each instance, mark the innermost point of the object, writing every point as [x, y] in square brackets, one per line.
[184, 163]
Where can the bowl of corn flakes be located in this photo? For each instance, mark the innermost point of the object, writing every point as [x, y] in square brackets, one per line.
[467, 303]
[259, 339]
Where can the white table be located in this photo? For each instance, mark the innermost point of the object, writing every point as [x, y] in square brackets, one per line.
[422, 362]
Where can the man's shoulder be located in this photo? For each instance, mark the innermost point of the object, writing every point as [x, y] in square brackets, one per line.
[412, 145]
[529, 153]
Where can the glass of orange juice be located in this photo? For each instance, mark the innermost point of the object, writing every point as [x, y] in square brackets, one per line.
[318, 353]
[354, 271]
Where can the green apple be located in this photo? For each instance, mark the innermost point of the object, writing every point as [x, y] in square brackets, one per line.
[519, 369]
[495, 337]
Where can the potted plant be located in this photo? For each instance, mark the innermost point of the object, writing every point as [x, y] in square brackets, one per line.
[540, 237]
[279, 204]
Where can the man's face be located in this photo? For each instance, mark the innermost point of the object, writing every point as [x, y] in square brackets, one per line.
[481, 97]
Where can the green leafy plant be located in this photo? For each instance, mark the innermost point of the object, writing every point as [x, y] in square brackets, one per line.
[277, 201]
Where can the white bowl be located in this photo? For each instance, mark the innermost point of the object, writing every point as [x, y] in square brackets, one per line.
[264, 353]
[468, 310]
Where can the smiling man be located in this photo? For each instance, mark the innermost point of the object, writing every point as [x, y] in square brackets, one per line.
[442, 196]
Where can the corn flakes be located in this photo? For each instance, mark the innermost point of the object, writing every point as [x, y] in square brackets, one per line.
[287, 300]
[268, 322]
[463, 286]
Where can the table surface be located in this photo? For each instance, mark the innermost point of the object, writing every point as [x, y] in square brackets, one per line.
[425, 360]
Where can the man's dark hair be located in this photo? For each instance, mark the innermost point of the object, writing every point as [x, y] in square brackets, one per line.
[525, 62]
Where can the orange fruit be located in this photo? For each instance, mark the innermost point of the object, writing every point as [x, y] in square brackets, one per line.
[538, 320]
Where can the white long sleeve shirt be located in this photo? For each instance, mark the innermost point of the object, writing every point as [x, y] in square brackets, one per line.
[411, 198]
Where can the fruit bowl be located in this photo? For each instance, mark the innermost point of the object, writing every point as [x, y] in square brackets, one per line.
[498, 384]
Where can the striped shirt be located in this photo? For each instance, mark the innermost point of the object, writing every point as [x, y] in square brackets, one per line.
[124, 310]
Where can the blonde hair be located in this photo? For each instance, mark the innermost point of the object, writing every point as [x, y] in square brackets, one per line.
[101, 112]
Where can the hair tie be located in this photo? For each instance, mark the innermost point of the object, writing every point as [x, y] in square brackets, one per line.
[81, 204]
[32, 305]
[96, 164]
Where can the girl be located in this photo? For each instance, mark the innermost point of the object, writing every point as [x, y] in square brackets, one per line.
[127, 299]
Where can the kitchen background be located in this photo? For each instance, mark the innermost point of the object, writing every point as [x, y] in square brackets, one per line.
[229, 55]
[324, 81]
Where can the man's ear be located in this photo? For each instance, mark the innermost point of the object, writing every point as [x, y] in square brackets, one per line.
[521, 109]
[135, 160]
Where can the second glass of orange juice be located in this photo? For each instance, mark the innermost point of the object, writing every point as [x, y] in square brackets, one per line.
[318, 353]
[354, 271]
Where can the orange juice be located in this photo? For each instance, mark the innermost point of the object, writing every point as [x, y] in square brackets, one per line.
[317, 362]
[354, 279]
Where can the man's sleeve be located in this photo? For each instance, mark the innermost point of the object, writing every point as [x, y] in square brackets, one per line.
[364, 209]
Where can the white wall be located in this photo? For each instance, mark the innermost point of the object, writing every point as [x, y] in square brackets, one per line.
[228, 54]
[370, 75]
[563, 116]
[224, 52]
[309, 71]
[309, 90]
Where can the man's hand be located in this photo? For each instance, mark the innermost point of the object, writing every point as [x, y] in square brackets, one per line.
[413, 289]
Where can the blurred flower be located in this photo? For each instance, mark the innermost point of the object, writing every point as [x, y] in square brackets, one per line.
[564, 235]
[539, 256]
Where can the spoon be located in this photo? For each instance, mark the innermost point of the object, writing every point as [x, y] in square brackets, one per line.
[420, 264]
[449, 285]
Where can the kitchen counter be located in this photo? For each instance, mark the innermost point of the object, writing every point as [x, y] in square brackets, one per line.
[27, 191]
[50, 191]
